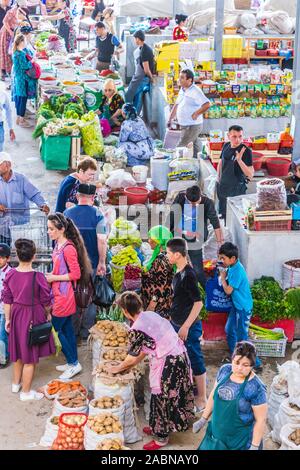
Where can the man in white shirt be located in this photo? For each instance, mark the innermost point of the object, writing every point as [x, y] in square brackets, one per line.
[189, 108]
[5, 109]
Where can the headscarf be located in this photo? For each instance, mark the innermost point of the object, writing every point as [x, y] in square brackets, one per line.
[129, 111]
[161, 235]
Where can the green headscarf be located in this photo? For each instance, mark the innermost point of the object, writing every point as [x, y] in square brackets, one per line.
[161, 235]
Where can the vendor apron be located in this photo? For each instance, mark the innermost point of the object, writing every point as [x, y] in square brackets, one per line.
[226, 430]
[137, 78]
[189, 224]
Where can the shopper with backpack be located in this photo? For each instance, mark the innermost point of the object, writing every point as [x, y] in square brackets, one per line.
[71, 264]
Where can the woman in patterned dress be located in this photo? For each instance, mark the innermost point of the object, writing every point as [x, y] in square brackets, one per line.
[172, 399]
[111, 105]
[156, 289]
[13, 17]
[24, 87]
[179, 33]
[134, 137]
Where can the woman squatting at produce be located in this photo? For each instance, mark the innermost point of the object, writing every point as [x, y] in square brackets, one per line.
[172, 399]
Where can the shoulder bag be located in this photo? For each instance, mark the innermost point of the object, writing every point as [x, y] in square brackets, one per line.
[37, 334]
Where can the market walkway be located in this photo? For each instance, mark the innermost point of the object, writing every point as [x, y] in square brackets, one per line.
[22, 424]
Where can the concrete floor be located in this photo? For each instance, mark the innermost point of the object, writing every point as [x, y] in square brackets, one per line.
[22, 424]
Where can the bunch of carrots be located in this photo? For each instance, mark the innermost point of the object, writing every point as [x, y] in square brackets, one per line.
[57, 386]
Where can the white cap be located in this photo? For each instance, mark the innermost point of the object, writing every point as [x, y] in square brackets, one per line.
[5, 157]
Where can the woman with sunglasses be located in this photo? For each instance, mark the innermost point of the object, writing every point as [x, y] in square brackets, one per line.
[237, 405]
[111, 105]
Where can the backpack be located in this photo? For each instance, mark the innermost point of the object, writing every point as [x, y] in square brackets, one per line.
[83, 293]
[36, 71]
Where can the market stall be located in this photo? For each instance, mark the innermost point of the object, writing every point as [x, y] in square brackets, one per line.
[68, 94]
[261, 252]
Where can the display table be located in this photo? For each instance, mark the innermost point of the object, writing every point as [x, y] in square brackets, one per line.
[251, 126]
[261, 253]
[258, 126]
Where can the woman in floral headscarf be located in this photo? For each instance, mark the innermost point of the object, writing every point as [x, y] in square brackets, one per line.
[157, 280]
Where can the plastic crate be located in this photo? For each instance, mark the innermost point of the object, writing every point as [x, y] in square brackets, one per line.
[261, 146]
[273, 145]
[296, 211]
[216, 145]
[273, 225]
[270, 348]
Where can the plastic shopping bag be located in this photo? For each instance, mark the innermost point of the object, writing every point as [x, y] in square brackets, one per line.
[104, 292]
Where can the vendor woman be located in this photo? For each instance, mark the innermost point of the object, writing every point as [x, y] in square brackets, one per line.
[179, 32]
[156, 291]
[172, 399]
[111, 105]
[237, 405]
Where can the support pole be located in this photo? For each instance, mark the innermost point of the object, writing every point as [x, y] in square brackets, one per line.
[219, 31]
[296, 88]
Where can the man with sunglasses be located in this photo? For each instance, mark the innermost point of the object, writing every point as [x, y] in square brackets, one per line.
[195, 212]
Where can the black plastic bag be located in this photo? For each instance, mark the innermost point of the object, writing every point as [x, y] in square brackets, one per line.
[104, 292]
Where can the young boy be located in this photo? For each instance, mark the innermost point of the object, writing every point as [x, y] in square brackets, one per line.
[235, 283]
[4, 269]
[184, 313]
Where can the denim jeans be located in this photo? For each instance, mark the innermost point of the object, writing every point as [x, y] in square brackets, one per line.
[237, 328]
[3, 341]
[138, 94]
[64, 328]
[1, 136]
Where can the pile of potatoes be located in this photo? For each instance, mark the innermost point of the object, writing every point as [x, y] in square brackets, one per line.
[105, 367]
[115, 334]
[111, 444]
[295, 437]
[118, 337]
[115, 354]
[104, 423]
[108, 402]
[75, 399]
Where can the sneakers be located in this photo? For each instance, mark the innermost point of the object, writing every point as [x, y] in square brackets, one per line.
[15, 388]
[32, 395]
[71, 371]
[63, 367]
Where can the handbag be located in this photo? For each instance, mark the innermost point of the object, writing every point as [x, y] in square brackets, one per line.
[38, 334]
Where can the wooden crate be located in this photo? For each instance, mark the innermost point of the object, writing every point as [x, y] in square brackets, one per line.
[271, 221]
[75, 152]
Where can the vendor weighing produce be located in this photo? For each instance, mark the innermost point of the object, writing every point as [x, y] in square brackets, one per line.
[235, 168]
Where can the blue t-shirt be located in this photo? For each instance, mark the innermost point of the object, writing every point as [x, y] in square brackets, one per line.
[241, 295]
[255, 394]
[90, 222]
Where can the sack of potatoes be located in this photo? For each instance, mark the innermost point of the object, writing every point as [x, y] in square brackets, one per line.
[114, 354]
[111, 444]
[105, 423]
[108, 403]
[118, 337]
[75, 399]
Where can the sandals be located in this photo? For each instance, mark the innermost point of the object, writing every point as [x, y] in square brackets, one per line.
[24, 124]
[153, 445]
